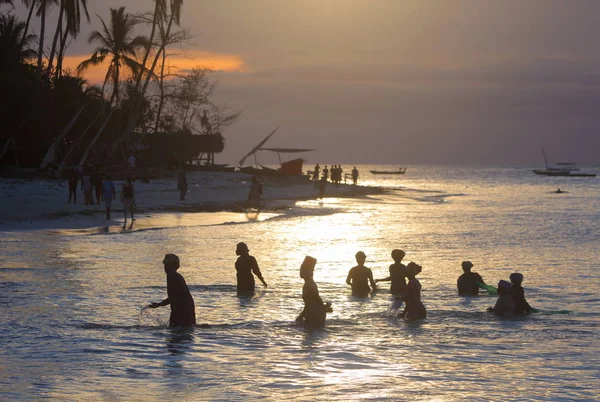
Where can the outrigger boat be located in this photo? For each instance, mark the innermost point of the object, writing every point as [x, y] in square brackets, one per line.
[399, 171]
[563, 169]
[289, 168]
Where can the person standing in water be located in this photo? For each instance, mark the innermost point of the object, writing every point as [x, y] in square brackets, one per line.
[246, 266]
[354, 175]
[360, 276]
[109, 193]
[467, 282]
[518, 294]
[183, 312]
[315, 311]
[128, 200]
[414, 310]
[505, 305]
[397, 274]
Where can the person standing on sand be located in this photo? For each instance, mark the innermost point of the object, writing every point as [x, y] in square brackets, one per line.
[109, 192]
[467, 282]
[128, 200]
[316, 172]
[322, 185]
[246, 266]
[73, 179]
[183, 312]
[86, 187]
[255, 193]
[414, 310]
[97, 184]
[315, 311]
[182, 184]
[325, 173]
[360, 276]
[398, 274]
[354, 175]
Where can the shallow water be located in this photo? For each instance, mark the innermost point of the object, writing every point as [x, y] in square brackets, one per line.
[72, 329]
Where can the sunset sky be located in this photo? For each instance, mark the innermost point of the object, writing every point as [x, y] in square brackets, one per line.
[399, 81]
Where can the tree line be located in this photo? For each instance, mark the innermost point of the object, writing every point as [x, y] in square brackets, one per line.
[51, 117]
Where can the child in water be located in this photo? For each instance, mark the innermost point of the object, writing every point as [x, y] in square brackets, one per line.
[414, 310]
[518, 294]
[360, 276]
[315, 311]
[505, 305]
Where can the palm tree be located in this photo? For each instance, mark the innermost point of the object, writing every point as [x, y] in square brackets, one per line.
[115, 42]
[71, 11]
[44, 6]
[13, 46]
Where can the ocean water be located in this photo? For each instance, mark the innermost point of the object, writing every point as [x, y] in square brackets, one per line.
[72, 329]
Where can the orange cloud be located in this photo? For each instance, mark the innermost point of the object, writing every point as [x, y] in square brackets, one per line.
[175, 63]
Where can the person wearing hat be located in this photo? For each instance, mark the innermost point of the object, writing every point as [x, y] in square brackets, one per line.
[505, 305]
[360, 276]
[414, 308]
[397, 274]
[315, 311]
[245, 266]
[518, 294]
[183, 312]
[467, 282]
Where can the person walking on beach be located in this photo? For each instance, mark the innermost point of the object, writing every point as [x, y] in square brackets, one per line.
[398, 274]
[414, 310]
[505, 305]
[467, 283]
[255, 193]
[322, 185]
[86, 187]
[182, 184]
[518, 294]
[183, 312]
[109, 193]
[246, 266]
[128, 200]
[315, 311]
[316, 172]
[73, 179]
[360, 276]
[354, 176]
[97, 184]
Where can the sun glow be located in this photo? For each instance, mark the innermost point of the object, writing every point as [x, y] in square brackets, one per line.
[175, 64]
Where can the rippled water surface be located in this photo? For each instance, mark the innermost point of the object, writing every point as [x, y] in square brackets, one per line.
[72, 327]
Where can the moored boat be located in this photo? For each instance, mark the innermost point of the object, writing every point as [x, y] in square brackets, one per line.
[399, 171]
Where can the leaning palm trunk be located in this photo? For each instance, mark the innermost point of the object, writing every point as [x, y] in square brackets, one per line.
[28, 21]
[57, 32]
[51, 153]
[93, 142]
[41, 44]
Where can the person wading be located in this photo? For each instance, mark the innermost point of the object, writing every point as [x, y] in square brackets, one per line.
[246, 266]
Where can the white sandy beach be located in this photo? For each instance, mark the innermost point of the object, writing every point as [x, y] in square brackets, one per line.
[42, 204]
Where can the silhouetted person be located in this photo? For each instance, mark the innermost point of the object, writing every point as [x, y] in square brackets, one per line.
[414, 308]
[97, 184]
[255, 193]
[326, 173]
[316, 172]
[128, 200]
[360, 276]
[322, 185]
[354, 175]
[86, 187]
[73, 179]
[315, 311]
[518, 294]
[397, 274]
[204, 122]
[246, 266]
[467, 282]
[109, 193]
[183, 312]
[182, 184]
[505, 305]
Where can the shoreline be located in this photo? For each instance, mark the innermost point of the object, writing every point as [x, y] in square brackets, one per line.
[41, 204]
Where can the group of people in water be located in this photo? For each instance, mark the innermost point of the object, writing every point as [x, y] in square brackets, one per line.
[405, 288]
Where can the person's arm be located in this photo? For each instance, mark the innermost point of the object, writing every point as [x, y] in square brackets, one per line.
[389, 278]
[349, 278]
[371, 280]
[257, 272]
[165, 302]
[480, 279]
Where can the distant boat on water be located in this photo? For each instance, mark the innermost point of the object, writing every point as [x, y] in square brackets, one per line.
[563, 169]
[399, 171]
